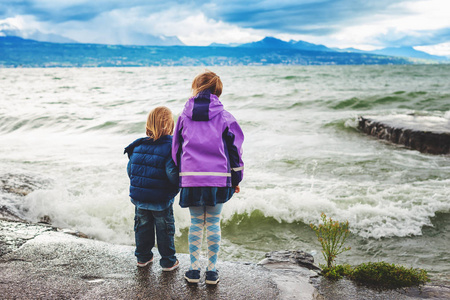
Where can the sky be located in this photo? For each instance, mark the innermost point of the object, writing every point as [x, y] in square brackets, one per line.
[361, 24]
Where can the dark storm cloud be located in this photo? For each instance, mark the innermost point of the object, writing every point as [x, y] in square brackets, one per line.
[419, 38]
[271, 17]
[318, 17]
[83, 10]
[300, 16]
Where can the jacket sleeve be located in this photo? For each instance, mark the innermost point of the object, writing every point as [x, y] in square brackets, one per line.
[177, 141]
[172, 172]
[234, 138]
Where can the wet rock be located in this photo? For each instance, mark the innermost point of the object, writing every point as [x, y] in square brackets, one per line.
[7, 214]
[423, 133]
[14, 234]
[51, 264]
[74, 232]
[345, 289]
[21, 184]
[45, 220]
[295, 257]
[292, 272]
[13, 188]
[38, 261]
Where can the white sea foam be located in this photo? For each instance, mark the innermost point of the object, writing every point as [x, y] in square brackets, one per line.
[71, 125]
[447, 115]
[373, 211]
[104, 212]
[104, 215]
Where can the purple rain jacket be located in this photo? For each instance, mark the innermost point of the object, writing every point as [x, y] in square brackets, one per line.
[207, 144]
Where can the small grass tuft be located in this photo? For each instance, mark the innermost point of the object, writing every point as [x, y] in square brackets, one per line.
[388, 275]
[380, 274]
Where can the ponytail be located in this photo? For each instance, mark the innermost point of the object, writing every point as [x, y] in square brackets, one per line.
[207, 80]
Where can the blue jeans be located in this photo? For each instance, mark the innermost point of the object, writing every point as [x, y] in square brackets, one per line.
[145, 222]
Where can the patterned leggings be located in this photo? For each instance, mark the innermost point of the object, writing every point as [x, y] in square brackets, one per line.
[201, 216]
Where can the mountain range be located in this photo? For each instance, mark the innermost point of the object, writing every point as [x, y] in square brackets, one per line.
[274, 43]
[19, 52]
[410, 52]
[7, 29]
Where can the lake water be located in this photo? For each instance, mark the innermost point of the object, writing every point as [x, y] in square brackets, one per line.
[64, 130]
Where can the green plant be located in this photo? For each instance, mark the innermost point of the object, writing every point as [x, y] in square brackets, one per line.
[331, 235]
[388, 275]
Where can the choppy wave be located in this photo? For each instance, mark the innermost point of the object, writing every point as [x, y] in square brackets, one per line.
[302, 151]
[420, 100]
[376, 206]
[69, 124]
[112, 101]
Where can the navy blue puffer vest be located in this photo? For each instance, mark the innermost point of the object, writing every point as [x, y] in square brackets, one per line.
[147, 170]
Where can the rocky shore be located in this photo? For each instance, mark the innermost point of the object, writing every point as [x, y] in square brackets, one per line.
[38, 261]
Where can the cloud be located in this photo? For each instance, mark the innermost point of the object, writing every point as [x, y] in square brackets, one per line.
[129, 22]
[81, 10]
[415, 38]
[134, 25]
[22, 26]
[344, 23]
[320, 17]
[439, 49]
[288, 16]
[198, 29]
[336, 23]
[422, 23]
[414, 23]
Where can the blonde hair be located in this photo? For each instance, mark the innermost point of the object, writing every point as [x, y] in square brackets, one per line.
[159, 123]
[207, 80]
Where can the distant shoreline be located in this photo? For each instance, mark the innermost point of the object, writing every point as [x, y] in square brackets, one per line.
[17, 52]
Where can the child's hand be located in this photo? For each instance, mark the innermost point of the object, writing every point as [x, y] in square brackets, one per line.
[237, 189]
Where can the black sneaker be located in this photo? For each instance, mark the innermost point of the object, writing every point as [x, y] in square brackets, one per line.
[212, 277]
[192, 276]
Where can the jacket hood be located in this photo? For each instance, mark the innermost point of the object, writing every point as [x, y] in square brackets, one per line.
[203, 107]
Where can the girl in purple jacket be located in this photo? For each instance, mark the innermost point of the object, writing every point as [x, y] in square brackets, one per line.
[207, 147]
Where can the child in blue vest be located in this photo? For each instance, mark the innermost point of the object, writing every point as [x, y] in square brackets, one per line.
[153, 186]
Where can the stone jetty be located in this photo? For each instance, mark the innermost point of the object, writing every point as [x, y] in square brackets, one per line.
[427, 134]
